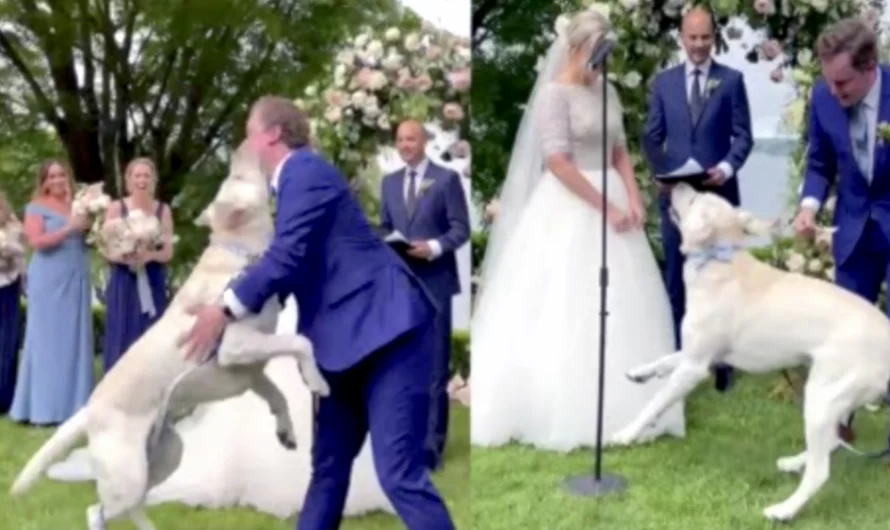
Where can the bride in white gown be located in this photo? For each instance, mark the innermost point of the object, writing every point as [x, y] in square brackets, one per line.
[535, 330]
[232, 457]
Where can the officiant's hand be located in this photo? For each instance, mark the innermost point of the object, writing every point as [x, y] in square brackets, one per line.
[716, 177]
[420, 250]
[205, 333]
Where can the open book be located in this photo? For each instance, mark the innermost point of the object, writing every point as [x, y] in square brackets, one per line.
[397, 241]
[690, 171]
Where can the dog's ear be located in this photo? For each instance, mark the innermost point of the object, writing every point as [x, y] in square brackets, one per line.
[755, 226]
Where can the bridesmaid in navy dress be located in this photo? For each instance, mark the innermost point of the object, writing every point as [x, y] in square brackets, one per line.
[125, 318]
[55, 376]
[10, 318]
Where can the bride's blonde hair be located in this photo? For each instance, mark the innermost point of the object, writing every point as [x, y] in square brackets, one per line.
[586, 29]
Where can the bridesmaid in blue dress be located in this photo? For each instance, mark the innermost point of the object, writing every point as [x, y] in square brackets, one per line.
[126, 317]
[55, 375]
[10, 317]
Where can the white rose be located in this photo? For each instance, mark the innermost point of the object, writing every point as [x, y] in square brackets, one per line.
[362, 40]
[383, 123]
[375, 50]
[464, 54]
[815, 265]
[801, 77]
[392, 62]
[819, 5]
[804, 57]
[333, 114]
[371, 107]
[346, 57]
[392, 34]
[311, 91]
[358, 98]
[630, 4]
[632, 79]
[377, 80]
[795, 262]
[603, 8]
[412, 42]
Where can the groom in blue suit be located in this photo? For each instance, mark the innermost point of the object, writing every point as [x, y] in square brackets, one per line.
[844, 151]
[426, 204]
[367, 315]
[697, 110]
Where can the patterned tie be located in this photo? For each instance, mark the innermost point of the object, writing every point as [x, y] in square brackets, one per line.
[412, 191]
[695, 100]
[859, 138]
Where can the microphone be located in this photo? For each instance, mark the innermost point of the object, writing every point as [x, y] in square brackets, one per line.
[600, 54]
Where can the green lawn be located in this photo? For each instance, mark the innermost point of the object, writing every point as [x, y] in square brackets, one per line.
[55, 506]
[719, 478]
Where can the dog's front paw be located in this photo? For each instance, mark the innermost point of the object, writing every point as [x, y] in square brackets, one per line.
[95, 518]
[315, 382]
[780, 513]
[287, 440]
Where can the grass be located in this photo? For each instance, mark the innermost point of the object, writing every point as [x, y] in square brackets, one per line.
[56, 506]
[719, 478]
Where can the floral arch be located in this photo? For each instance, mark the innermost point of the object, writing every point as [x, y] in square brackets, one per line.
[647, 31]
[380, 78]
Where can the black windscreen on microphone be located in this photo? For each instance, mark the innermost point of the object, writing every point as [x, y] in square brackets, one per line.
[600, 54]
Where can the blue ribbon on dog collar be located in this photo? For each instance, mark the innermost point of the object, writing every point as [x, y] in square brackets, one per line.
[721, 252]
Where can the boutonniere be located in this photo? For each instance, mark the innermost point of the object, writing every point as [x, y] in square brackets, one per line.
[425, 184]
[711, 86]
[884, 132]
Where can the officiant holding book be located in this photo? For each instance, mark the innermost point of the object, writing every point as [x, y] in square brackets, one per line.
[424, 214]
[698, 129]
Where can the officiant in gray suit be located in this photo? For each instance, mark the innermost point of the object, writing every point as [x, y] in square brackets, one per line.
[426, 204]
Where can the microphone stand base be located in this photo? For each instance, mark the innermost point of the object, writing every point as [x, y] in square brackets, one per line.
[589, 486]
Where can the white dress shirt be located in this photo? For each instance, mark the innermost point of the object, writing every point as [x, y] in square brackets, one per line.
[870, 106]
[229, 298]
[419, 172]
[705, 69]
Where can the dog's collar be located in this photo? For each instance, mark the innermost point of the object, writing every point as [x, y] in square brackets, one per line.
[240, 250]
[722, 252]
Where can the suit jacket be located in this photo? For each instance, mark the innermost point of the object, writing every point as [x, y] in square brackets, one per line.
[721, 134]
[355, 296]
[441, 214]
[830, 153]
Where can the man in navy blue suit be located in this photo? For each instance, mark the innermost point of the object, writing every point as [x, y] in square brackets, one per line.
[368, 316]
[427, 205]
[843, 151]
[697, 110]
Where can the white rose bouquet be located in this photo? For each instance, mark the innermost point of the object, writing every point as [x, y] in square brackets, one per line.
[90, 203]
[12, 248]
[125, 239]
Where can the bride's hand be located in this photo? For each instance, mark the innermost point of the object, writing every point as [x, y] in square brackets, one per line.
[638, 213]
[618, 218]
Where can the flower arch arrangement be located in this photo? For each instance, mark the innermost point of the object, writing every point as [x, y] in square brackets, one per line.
[646, 31]
[379, 79]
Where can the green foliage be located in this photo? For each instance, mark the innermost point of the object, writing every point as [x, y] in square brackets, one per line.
[460, 354]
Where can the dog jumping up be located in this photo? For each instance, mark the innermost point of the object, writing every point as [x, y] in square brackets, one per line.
[757, 318]
[128, 418]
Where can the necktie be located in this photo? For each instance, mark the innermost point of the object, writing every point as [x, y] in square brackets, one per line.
[859, 138]
[412, 190]
[695, 100]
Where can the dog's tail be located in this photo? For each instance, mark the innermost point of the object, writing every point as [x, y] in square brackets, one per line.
[63, 439]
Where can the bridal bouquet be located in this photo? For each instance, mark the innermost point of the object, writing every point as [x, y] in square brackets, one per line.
[90, 202]
[135, 234]
[12, 248]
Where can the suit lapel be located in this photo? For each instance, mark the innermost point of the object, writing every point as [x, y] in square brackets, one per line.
[424, 184]
[881, 147]
[712, 85]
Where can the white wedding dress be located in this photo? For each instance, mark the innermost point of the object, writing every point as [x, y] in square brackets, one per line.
[232, 457]
[535, 331]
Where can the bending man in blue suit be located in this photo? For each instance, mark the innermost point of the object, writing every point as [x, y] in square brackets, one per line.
[697, 110]
[426, 204]
[368, 317]
[842, 151]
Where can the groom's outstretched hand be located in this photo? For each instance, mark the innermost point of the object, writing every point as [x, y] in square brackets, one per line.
[206, 332]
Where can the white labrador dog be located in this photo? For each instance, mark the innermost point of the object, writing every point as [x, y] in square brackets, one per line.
[131, 445]
[757, 318]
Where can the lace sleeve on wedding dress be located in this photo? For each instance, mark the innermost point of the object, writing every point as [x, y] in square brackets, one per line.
[616, 129]
[553, 121]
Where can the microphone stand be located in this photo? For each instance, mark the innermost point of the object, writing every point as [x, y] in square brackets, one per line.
[598, 484]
